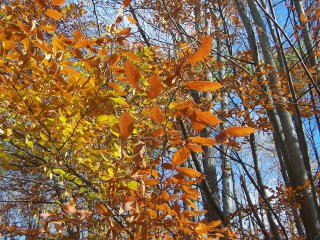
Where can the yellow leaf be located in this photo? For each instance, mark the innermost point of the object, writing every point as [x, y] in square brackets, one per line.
[126, 124]
[202, 52]
[103, 119]
[188, 172]
[38, 99]
[9, 132]
[29, 143]
[53, 14]
[204, 86]
[205, 118]
[180, 156]
[157, 115]
[58, 2]
[239, 131]
[156, 86]
[203, 141]
[131, 19]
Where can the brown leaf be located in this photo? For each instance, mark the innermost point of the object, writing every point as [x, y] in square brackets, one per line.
[203, 51]
[239, 131]
[188, 172]
[180, 156]
[53, 14]
[101, 209]
[70, 207]
[204, 86]
[126, 124]
[222, 137]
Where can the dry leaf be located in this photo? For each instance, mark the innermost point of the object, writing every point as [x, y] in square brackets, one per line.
[126, 124]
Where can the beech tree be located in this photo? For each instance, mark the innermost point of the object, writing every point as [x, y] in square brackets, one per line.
[159, 119]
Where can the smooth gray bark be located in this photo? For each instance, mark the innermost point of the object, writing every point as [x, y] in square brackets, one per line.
[296, 167]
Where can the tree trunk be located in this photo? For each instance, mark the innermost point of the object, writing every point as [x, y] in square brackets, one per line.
[297, 171]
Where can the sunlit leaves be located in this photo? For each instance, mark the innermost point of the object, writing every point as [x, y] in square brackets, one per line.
[156, 86]
[203, 51]
[126, 3]
[239, 131]
[157, 114]
[180, 156]
[58, 2]
[205, 118]
[204, 86]
[53, 14]
[188, 172]
[126, 124]
[131, 19]
[203, 141]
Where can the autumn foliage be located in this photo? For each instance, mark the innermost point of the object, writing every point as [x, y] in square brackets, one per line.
[110, 131]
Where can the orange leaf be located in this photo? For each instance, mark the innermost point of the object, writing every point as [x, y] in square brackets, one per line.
[131, 56]
[197, 126]
[188, 172]
[303, 18]
[126, 124]
[156, 86]
[58, 2]
[126, 3]
[205, 118]
[53, 14]
[203, 141]
[180, 156]
[151, 182]
[194, 148]
[125, 31]
[214, 224]
[204, 86]
[222, 137]
[202, 52]
[113, 59]
[239, 131]
[156, 114]
[132, 74]
[131, 19]
[131, 71]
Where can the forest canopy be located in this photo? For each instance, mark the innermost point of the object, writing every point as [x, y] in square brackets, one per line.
[157, 119]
